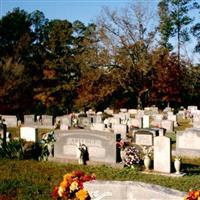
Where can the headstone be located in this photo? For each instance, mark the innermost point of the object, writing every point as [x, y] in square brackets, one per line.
[47, 120]
[29, 120]
[132, 111]
[135, 122]
[29, 134]
[65, 121]
[161, 131]
[188, 142]
[156, 124]
[173, 118]
[101, 145]
[192, 108]
[196, 119]
[162, 154]
[123, 110]
[84, 121]
[145, 123]
[181, 115]
[158, 117]
[98, 126]
[168, 125]
[10, 120]
[144, 138]
[99, 119]
[120, 128]
[130, 190]
[109, 111]
[114, 120]
[3, 131]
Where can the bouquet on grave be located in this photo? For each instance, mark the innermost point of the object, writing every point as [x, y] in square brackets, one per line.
[72, 187]
[132, 156]
[193, 195]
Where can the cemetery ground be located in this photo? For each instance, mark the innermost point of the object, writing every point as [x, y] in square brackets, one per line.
[30, 179]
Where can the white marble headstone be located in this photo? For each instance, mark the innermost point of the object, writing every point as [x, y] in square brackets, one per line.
[29, 133]
[162, 154]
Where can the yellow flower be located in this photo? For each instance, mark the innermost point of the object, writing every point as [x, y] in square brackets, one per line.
[82, 194]
[60, 191]
[197, 194]
[67, 177]
[63, 185]
[73, 186]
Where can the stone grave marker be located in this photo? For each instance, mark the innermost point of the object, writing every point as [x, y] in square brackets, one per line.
[3, 131]
[188, 142]
[146, 122]
[99, 119]
[84, 121]
[144, 137]
[98, 126]
[168, 125]
[109, 111]
[47, 120]
[162, 154]
[192, 108]
[101, 145]
[65, 122]
[173, 118]
[10, 120]
[130, 190]
[120, 128]
[29, 120]
[29, 134]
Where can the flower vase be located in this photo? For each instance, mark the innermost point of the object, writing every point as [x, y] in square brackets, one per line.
[147, 162]
[177, 165]
[122, 154]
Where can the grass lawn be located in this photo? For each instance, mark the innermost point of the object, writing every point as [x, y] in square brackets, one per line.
[29, 179]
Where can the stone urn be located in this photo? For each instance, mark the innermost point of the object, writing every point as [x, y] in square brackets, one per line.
[177, 165]
[122, 154]
[147, 162]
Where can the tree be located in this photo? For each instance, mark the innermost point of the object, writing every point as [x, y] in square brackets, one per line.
[15, 78]
[174, 20]
[196, 32]
[129, 38]
[59, 73]
[166, 78]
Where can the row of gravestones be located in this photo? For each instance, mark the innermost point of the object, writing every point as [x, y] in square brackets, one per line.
[102, 145]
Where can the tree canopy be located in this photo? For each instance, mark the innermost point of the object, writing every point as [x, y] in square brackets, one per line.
[125, 59]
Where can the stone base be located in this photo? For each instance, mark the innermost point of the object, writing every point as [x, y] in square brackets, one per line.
[164, 174]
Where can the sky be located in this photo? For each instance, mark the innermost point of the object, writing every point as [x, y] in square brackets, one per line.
[86, 11]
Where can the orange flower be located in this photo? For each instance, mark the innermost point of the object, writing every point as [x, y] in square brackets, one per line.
[67, 177]
[82, 194]
[63, 184]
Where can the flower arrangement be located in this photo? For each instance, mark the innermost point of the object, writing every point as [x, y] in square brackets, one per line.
[193, 195]
[71, 188]
[131, 156]
[178, 157]
[122, 144]
[147, 151]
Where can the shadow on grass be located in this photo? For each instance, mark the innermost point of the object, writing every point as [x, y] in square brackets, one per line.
[190, 169]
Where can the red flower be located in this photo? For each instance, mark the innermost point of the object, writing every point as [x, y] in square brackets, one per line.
[55, 193]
